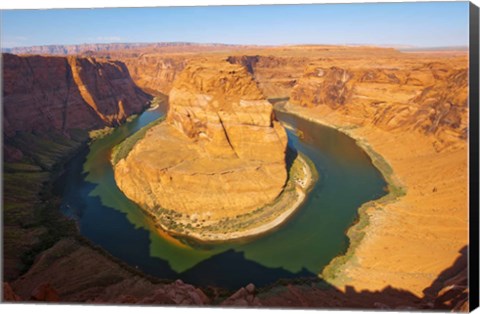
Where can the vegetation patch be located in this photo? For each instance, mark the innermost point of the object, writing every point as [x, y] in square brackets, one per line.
[356, 233]
[121, 151]
[99, 133]
[158, 100]
[45, 150]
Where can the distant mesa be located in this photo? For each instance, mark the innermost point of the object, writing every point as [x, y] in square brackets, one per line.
[219, 155]
[85, 49]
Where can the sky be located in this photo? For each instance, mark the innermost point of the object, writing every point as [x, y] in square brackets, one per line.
[428, 24]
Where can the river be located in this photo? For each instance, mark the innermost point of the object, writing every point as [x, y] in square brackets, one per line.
[301, 247]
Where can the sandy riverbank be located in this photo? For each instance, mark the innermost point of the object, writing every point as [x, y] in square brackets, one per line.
[407, 241]
[262, 220]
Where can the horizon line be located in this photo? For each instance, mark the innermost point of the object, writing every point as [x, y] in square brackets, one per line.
[395, 46]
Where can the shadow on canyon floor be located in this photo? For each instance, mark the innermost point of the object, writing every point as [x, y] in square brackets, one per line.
[455, 278]
[232, 270]
[448, 291]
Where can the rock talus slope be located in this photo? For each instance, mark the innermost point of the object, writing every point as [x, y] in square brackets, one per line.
[220, 153]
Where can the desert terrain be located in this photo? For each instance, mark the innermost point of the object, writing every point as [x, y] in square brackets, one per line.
[409, 111]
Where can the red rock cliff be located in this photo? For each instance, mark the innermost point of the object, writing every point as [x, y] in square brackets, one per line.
[63, 93]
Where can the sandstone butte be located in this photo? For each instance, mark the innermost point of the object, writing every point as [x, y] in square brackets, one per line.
[219, 154]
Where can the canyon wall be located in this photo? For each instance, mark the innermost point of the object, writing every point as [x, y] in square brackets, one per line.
[276, 70]
[276, 75]
[426, 97]
[155, 73]
[59, 94]
[49, 105]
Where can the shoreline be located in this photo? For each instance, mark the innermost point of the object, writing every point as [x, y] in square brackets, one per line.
[396, 189]
[301, 190]
[403, 240]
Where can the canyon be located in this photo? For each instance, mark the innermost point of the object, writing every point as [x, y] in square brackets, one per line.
[409, 108]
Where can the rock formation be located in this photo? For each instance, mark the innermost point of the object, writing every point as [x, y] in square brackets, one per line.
[44, 293]
[430, 98]
[221, 153]
[8, 294]
[87, 275]
[63, 93]
[61, 96]
[243, 297]
[276, 75]
[155, 73]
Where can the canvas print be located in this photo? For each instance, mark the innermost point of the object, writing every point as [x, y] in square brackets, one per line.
[280, 156]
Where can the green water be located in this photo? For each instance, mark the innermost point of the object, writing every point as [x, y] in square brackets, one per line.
[301, 247]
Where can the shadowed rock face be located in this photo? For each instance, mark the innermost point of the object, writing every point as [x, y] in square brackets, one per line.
[63, 93]
[220, 152]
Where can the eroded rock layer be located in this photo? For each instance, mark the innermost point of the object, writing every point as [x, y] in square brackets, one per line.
[220, 153]
[63, 93]
[155, 73]
[425, 97]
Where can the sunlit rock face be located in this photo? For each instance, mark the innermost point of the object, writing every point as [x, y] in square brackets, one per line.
[429, 98]
[220, 152]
